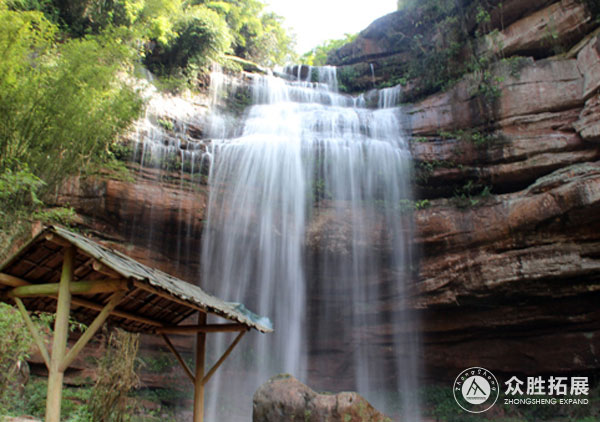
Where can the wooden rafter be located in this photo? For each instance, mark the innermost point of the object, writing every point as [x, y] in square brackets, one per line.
[210, 328]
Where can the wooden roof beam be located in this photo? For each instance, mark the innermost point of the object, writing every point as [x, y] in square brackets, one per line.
[54, 238]
[76, 287]
[13, 281]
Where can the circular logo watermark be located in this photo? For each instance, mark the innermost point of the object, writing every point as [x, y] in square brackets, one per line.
[476, 390]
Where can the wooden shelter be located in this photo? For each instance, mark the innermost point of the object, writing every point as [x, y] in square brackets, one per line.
[66, 273]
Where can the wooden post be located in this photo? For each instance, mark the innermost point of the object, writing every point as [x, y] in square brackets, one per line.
[198, 384]
[59, 344]
[77, 287]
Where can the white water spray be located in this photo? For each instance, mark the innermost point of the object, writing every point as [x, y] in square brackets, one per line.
[306, 225]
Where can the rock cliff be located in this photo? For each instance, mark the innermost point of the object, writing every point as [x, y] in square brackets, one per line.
[507, 193]
[509, 233]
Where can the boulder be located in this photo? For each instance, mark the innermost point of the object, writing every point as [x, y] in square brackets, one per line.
[284, 399]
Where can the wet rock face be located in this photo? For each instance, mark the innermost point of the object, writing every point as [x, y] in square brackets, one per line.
[283, 398]
[157, 223]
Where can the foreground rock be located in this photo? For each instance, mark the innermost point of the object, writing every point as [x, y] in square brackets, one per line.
[283, 398]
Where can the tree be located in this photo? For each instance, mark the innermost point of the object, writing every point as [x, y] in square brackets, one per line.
[318, 55]
[201, 36]
[258, 36]
[61, 104]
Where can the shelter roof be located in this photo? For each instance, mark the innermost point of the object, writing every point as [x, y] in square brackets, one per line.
[154, 299]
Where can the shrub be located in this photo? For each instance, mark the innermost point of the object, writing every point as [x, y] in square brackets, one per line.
[116, 378]
[15, 342]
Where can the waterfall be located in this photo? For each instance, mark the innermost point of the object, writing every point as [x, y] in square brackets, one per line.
[308, 224]
[372, 74]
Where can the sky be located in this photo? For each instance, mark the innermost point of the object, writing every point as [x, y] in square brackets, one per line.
[315, 21]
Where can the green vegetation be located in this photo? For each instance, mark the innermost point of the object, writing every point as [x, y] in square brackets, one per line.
[166, 124]
[472, 136]
[346, 76]
[257, 36]
[393, 81]
[15, 342]
[108, 400]
[409, 205]
[199, 36]
[446, 46]
[17, 394]
[439, 404]
[175, 39]
[67, 89]
[471, 194]
[117, 376]
[318, 55]
[63, 103]
[425, 169]
[159, 362]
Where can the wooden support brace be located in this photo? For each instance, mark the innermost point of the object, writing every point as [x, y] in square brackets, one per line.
[77, 287]
[216, 366]
[186, 368]
[37, 338]
[115, 299]
[210, 328]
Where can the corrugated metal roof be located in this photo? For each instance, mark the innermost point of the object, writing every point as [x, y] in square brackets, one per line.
[130, 269]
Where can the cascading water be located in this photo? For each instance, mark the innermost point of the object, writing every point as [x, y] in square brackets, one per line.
[307, 224]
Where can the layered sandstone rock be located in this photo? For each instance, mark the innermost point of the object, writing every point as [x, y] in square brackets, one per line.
[383, 51]
[555, 27]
